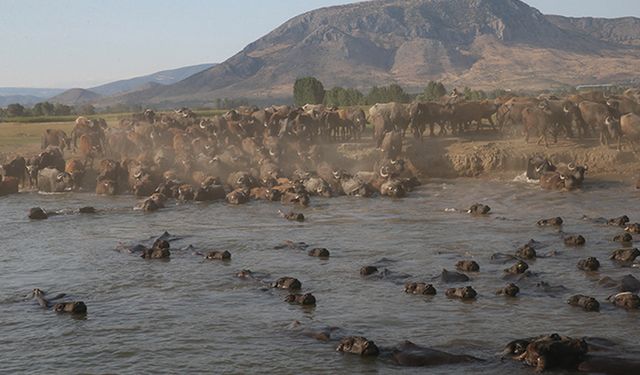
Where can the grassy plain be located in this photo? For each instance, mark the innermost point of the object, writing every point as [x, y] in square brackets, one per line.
[23, 135]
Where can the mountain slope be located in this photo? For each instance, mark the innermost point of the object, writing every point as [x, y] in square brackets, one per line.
[480, 43]
[624, 30]
[75, 97]
[165, 77]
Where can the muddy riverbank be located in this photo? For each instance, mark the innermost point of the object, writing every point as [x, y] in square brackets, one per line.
[485, 157]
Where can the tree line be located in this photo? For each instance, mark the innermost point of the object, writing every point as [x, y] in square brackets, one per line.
[309, 90]
[46, 109]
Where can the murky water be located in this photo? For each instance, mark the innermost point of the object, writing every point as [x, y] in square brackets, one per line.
[191, 316]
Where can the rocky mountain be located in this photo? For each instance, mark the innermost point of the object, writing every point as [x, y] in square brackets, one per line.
[75, 97]
[165, 77]
[485, 44]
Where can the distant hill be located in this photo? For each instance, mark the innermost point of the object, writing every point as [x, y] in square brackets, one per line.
[25, 95]
[29, 91]
[75, 97]
[25, 100]
[30, 96]
[165, 77]
[619, 30]
[484, 44]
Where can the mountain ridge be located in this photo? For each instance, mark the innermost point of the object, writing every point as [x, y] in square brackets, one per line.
[484, 44]
[163, 77]
[75, 96]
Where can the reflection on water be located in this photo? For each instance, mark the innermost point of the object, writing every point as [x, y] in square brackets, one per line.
[188, 315]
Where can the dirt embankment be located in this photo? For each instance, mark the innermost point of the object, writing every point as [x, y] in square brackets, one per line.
[456, 157]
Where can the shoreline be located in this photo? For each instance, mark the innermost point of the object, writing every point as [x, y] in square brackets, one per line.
[482, 155]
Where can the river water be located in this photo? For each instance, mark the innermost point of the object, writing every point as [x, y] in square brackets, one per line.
[190, 316]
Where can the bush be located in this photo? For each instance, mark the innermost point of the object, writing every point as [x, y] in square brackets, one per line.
[308, 90]
[391, 93]
[433, 91]
[341, 97]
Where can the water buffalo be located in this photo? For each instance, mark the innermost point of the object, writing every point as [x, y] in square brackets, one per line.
[55, 137]
[625, 255]
[238, 196]
[72, 307]
[422, 114]
[627, 129]
[587, 303]
[287, 283]
[76, 169]
[387, 117]
[569, 179]
[354, 186]
[49, 158]
[554, 221]
[93, 129]
[306, 299]
[317, 186]
[106, 186]
[595, 116]
[466, 293]
[574, 240]
[357, 117]
[319, 252]
[519, 268]
[511, 290]
[479, 209]
[619, 221]
[292, 216]
[358, 345]
[588, 264]
[51, 180]
[537, 166]
[37, 213]
[548, 352]
[626, 300]
[468, 266]
[510, 112]
[624, 238]
[464, 113]
[8, 185]
[391, 144]
[419, 288]
[539, 119]
[16, 168]
[412, 355]
[298, 198]
[209, 191]
[218, 255]
[89, 149]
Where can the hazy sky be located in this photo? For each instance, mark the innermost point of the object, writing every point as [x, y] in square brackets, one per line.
[83, 43]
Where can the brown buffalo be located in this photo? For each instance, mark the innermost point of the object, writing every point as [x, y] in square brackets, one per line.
[55, 137]
[8, 185]
[539, 119]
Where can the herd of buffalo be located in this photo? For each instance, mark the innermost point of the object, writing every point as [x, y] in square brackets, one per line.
[275, 154]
